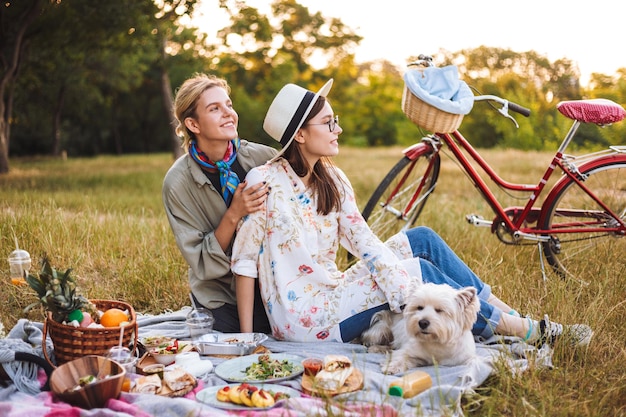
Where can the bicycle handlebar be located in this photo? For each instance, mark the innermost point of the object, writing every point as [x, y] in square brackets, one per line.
[422, 60]
[519, 109]
[506, 104]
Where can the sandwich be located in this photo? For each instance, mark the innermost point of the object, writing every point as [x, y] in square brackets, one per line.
[150, 384]
[335, 371]
[178, 379]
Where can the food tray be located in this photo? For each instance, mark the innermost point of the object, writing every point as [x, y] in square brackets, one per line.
[229, 343]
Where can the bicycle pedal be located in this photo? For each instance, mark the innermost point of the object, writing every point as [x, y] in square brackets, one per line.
[478, 221]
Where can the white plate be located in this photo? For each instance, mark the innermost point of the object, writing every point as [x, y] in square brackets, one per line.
[234, 370]
[209, 396]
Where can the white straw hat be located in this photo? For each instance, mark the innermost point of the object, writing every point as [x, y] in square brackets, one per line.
[287, 112]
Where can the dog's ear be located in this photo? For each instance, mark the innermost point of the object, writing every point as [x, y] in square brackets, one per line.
[469, 305]
[466, 297]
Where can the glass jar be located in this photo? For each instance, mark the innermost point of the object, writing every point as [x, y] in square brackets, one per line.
[199, 322]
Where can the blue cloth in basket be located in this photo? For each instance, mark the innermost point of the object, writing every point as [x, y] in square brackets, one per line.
[441, 88]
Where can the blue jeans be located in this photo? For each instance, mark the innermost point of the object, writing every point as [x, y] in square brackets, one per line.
[440, 265]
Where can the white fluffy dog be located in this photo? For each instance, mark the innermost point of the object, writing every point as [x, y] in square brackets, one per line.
[435, 327]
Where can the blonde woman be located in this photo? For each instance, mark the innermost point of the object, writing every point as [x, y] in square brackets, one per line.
[205, 194]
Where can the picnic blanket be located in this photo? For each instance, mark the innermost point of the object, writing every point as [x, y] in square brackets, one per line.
[449, 383]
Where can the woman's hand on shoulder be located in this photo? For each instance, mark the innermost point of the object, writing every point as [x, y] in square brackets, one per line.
[248, 199]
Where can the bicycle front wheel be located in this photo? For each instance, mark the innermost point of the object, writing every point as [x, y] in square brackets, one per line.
[400, 197]
[573, 208]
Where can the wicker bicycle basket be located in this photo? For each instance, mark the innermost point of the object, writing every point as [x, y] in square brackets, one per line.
[75, 342]
[429, 117]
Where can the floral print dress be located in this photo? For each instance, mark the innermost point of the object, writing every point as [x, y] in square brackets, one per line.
[292, 250]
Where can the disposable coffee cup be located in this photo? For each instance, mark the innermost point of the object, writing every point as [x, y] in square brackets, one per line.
[19, 265]
[124, 357]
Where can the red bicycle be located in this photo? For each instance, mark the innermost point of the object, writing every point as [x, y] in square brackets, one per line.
[582, 216]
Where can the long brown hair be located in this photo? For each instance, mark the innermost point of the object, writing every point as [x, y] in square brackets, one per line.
[323, 181]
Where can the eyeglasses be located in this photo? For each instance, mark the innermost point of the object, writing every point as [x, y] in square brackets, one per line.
[332, 123]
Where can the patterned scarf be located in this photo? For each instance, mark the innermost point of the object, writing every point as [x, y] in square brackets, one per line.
[228, 179]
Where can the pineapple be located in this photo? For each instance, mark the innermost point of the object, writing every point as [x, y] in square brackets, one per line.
[57, 294]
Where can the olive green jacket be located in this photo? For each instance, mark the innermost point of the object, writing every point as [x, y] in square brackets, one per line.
[194, 209]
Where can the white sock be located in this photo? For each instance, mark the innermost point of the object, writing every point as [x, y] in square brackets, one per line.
[534, 331]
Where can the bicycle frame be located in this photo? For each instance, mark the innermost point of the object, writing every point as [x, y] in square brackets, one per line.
[513, 219]
[581, 215]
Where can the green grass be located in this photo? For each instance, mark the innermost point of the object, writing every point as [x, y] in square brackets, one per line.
[104, 218]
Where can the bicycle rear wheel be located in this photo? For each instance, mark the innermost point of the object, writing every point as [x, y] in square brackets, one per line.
[571, 207]
[400, 197]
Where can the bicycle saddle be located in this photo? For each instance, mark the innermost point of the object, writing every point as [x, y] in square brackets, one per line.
[599, 111]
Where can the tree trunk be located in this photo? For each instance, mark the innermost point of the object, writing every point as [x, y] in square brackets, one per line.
[4, 129]
[11, 54]
[115, 128]
[168, 103]
[56, 123]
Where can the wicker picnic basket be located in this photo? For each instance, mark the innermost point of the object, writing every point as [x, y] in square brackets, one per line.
[429, 117]
[75, 342]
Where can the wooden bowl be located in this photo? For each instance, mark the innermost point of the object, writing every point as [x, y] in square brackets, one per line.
[64, 381]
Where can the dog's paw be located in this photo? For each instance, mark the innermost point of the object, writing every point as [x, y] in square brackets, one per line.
[393, 367]
[378, 349]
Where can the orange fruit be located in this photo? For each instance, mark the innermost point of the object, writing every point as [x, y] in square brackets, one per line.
[126, 385]
[113, 317]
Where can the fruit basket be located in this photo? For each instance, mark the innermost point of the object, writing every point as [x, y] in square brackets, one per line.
[74, 342]
[70, 315]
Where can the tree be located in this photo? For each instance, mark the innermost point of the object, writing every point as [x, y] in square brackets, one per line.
[260, 53]
[526, 78]
[82, 52]
[92, 65]
[373, 104]
[167, 26]
[612, 87]
[97, 77]
[15, 19]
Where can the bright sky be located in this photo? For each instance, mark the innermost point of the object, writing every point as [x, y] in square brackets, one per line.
[587, 32]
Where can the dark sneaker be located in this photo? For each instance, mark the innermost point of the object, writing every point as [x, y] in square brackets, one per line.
[575, 334]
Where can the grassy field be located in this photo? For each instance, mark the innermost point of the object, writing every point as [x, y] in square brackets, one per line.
[104, 218]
